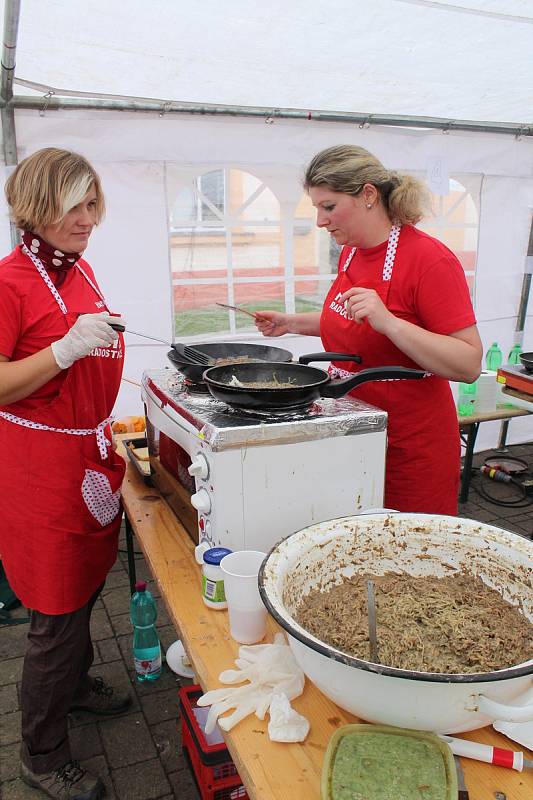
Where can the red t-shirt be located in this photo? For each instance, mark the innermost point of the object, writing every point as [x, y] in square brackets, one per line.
[31, 318]
[428, 288]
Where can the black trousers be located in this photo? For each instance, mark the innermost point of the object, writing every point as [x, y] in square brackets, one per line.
[55, 672]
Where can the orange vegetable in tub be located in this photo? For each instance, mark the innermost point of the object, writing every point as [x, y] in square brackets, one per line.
[134, 424]
[119, 427]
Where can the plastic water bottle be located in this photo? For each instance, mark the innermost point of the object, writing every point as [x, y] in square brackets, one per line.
[146, 646]
[494, 357]
[466, 399]
[514, 354]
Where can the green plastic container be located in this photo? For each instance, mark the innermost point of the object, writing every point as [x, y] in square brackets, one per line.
[494, 357]
[379, 762]
[514, 354]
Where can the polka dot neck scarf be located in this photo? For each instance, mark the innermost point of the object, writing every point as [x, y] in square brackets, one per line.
[52, 259]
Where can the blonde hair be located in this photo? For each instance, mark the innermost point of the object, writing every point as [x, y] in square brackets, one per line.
[346, 168]
[45, 186]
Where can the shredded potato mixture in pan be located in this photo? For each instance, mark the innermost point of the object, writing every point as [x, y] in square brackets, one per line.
[275, 383]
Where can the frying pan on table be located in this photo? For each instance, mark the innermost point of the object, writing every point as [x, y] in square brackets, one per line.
[527, 361]
[234, 384]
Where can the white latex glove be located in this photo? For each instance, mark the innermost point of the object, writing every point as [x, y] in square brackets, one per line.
[89, 331]
[270, 669]
[245, 700]
[286, 725]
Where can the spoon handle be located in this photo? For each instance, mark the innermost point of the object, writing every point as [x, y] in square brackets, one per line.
[236, 308]
[372, 625]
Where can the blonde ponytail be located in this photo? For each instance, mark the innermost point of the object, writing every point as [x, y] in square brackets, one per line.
[407, 201]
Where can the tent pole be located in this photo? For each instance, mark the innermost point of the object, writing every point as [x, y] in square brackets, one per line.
[50, 101]
[526, 286]
[7, 112]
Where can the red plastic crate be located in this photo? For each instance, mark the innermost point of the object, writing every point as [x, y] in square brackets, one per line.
[215, 773]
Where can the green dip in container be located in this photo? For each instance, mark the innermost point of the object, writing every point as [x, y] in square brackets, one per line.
[379, 762]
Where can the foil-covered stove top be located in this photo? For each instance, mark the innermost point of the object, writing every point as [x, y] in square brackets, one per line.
[224, 427]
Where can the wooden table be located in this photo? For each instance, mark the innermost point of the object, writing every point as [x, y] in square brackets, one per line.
[472, 423]
[269, 770]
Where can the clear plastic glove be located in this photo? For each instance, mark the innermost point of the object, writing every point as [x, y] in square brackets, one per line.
[89, 331]
[270, 669]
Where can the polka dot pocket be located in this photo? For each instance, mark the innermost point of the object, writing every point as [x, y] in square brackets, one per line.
[100, 490]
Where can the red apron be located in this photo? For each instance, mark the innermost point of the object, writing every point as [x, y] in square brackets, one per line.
[60, 525]
[423, 445]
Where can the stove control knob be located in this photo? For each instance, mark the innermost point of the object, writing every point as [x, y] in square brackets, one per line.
[201, 501]
[199, 467]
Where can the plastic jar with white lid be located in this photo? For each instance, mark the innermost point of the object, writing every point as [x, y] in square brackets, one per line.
[213, 593]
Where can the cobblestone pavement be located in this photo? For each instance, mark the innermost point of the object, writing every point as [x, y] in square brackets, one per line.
[138, 754]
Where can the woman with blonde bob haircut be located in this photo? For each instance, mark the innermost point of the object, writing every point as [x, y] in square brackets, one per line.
[60, 369]
[400, 298]
[47, 185]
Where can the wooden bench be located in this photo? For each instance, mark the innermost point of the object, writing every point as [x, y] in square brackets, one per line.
[269, 770]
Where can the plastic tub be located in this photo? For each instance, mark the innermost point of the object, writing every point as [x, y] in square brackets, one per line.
[379, 762]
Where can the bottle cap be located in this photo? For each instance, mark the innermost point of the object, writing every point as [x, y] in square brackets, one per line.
[215, 555]
[140, 586]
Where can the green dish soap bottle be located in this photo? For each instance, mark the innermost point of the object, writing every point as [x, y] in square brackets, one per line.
[494, 357]
[514, 354]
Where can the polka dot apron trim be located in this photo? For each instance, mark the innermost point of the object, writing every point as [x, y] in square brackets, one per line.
[41, 269]
[390, 255]
[91, 284]
[103, 442]
[102, 502]
[46, 278]
[388, 265]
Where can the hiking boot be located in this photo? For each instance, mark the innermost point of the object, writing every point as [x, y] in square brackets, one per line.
[102, 699]
[69, 782]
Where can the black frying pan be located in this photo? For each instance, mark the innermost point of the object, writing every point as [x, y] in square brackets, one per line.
[259, 352]
[527, 361]
[308, 384]
[255, 352]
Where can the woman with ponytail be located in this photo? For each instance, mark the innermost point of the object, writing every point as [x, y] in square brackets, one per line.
[400, 298]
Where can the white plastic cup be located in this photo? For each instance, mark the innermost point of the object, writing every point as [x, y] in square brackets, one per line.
[247, 614]
[488, 392]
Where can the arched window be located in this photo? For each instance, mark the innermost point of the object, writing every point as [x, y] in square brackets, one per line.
[233, 242]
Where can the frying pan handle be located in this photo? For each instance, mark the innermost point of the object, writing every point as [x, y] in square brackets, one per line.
[330, 357]
[341, 387]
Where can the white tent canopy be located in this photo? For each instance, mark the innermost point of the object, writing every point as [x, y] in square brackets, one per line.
[469, 60]
[460, 60]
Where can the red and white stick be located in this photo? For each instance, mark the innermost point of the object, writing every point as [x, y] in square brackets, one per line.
[512, 759]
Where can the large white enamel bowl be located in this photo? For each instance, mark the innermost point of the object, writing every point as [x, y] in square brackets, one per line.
[320, 555]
